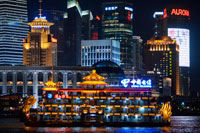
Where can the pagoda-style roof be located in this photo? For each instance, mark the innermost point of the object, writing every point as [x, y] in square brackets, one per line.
[94, 79]
[94, 76]
[40, 22]
[51, 86]
[93, 83]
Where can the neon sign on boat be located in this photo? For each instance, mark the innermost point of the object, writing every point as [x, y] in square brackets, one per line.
[137, 83]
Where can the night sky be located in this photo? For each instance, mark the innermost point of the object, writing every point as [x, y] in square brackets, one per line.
[143, 22]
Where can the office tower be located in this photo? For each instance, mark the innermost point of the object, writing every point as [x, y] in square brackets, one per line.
[160, 24]
[175, 23]
[40, 48]
[57, 17]
[13, 29]
[138, 53]
[93, 51]
[161, 54]
[96, 28]
[87, 17]
[76, 27]
[117, 24]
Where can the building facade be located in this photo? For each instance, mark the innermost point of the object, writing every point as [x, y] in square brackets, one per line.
[76, 28]
[161, 54]
[29, 80]
[138, 53]
[13, 29]
[93, 51]
[117, 24]
[57, 17]
[175, 22]
[40, 48]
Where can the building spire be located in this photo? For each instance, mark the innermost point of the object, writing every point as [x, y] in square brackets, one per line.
[40, 9]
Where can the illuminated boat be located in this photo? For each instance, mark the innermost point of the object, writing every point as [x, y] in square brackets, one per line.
[98, 105]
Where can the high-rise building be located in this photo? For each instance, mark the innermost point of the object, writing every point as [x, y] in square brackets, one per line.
[40, 48]
[76, 28]
[57, 17]
[96, 28]
[138, 53]
[87, 17]
[13, 29]
[160, 24]
[117, 24]
[72, 32]
[174, 22]
[161, 54]
[93, 51]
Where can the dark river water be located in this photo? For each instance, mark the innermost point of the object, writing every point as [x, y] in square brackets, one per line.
[181, 124]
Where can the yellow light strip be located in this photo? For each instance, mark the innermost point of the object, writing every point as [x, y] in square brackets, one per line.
[40, 113]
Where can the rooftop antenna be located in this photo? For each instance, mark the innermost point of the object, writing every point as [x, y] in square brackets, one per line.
[40, 9]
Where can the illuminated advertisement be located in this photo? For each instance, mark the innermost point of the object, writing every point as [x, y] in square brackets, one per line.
[176, 12]
[182, 37]
[137, 83]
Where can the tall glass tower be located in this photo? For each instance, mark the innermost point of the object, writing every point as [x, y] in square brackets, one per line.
[13, 29]
[117, 24]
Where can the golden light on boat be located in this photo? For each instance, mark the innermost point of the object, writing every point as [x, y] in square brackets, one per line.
[166, 112]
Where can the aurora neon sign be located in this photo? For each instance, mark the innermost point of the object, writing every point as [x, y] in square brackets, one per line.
[181, 12]
[137, 83]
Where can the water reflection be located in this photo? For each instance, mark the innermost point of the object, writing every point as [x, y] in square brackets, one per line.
[179, 124]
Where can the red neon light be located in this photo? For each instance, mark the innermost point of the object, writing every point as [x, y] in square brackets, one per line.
[95, 36]
[165, 13]
[180, 12]
[129, 15]
[107, 90]
[24, 40]
[63, 96]
[98, 18]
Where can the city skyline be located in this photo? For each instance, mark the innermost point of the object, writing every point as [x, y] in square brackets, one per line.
[143, 22]
[99, 66]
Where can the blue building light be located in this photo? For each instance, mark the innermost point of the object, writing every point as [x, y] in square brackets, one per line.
[49, 96]
[128, 8]
[137, 83]
[125, 82]
[111, 8]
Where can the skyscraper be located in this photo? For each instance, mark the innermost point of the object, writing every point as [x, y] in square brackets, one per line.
[117, 24]
[161, 54]
[57, 17]
[40, 48]
[76, 28]
[13, 29]
[138, 52]
[174, 22]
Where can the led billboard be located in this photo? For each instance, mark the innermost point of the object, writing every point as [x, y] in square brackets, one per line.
[182, 37]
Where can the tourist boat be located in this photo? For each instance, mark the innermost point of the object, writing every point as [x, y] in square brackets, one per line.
[95, 104]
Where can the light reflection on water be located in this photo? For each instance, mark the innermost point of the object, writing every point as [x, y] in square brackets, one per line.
[179, 124]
